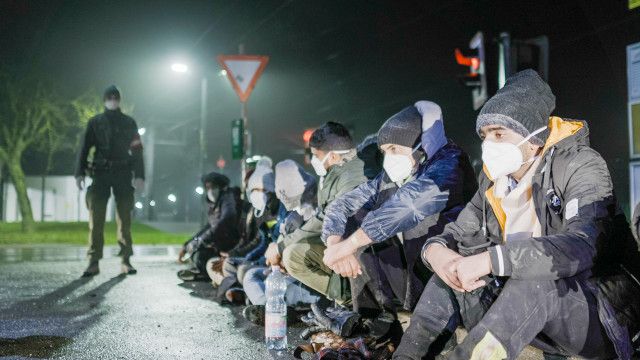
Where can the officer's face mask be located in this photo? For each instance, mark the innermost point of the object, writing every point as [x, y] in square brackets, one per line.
[211, 195]
[399, 166]
[258, 200]
[112, 104]
[504, 158]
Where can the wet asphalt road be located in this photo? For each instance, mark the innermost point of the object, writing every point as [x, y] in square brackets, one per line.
[46, 311]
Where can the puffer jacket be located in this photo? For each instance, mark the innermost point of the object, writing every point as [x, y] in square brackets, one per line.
[339, 180]
[584, 233]
[431, 198]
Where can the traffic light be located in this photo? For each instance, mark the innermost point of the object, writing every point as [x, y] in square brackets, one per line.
[476, 78]
[518, 54]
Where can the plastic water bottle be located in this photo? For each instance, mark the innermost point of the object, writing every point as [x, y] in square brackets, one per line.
[275, 322]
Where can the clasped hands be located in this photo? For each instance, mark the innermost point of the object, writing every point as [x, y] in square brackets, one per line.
[459, 272]
[340, 257]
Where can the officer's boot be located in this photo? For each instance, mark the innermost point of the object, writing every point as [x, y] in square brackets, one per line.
[92, 270]
[127, 268]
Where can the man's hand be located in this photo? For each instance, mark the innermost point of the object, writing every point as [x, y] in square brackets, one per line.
[337, 252]
[224, 255]
[333, 239]
[272, 255]
[80, 182]
[181, 255]
[472, 268]
[348, 267]
[138, 184]
[444, 262]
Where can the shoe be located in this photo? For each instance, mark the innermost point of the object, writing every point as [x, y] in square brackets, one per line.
[92, 270]
[191, 275]
[127, 268]
[235, 296]
[254, 314]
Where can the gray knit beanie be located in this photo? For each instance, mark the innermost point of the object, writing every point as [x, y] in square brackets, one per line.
[523, 105]
[403, 128]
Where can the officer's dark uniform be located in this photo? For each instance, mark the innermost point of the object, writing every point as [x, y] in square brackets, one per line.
[116, 160]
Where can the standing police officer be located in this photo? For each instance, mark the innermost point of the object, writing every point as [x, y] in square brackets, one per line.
[116, 160]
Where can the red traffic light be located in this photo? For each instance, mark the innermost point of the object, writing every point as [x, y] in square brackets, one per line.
[472, 61]
[306, 135]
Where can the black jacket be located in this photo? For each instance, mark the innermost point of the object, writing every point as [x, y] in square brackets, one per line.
[221, 232]
[117, 144]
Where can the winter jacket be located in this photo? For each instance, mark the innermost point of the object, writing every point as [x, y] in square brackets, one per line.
[117, 144]
[221, 231]
[440, 188]
[432, 197]
[339, 180]
[584, 234]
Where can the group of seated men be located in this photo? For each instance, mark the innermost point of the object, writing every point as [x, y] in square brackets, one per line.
[534, 250]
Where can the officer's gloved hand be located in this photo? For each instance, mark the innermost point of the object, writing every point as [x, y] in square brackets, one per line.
[80, 182]
[138, 184]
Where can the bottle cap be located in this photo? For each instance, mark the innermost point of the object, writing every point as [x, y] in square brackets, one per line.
[275, 268]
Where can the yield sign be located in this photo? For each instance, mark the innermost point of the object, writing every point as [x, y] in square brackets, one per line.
[243, 71]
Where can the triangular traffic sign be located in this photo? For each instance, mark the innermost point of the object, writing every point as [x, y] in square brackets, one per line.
[243, 71]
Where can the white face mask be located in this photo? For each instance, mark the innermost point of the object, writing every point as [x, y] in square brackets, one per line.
[505, 158]
[211, 196]
[399, 167]
[258, 200]
[318, 165]
[112, 104]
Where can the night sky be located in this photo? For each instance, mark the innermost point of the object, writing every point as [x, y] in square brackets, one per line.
[355, 62]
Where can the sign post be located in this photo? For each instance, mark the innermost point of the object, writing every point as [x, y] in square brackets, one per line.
[243, 72]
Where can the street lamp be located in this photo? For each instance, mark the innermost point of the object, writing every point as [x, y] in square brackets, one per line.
[199, 190]
[183, 68]
[172, 198]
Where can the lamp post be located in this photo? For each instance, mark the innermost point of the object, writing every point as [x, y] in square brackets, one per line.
[183, 68]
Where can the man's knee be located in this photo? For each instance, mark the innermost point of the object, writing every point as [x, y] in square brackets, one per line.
[293, 258]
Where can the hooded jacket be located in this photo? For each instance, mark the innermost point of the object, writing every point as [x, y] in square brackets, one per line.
[584, 234]
[221, 230]
[339, 180]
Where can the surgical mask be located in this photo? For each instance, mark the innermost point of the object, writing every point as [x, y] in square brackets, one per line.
[398, 167]
[211, 196]
[503, 158]
[258, 200]
[318, 165]
[112, 104]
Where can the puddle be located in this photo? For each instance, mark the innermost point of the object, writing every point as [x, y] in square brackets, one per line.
[36, 346]
[12, 254]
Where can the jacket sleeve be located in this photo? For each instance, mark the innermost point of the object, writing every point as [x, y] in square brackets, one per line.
[87, 141]
[347, 182]
[227, 218]
[136, 153]
[410, 205]
[310, 229]
[468, 225]
[345, 206]
[587, 196]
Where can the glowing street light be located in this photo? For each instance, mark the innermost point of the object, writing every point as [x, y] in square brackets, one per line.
[199, 190]
[172, 198]
[141, 131]
[138, 205]
[152, 203]
[179, 67]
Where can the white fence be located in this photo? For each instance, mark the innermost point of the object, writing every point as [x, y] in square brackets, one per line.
[62, 200]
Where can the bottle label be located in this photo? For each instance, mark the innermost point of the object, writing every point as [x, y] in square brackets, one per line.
[275, 325]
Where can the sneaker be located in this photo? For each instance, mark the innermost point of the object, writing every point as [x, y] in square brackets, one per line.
[255, 314]
[191, 275]
[235, 296]
[127, 268]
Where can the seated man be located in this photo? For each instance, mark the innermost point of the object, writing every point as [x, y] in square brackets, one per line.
[269, 214]
[537, 256]
[426, 181]
[296, 189]
[335, 161]
[221, 233]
